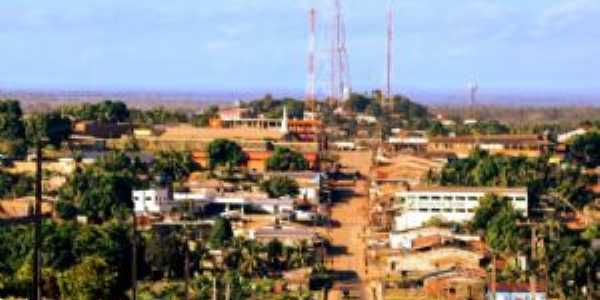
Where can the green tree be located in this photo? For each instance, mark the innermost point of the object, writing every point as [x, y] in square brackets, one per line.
[51, 126]
[12, 129]
[92, 279]
[223, 152]
[279, 186]
[285, 159]
[585, 149]
[221, 233]
[177, 165]
[165, 253]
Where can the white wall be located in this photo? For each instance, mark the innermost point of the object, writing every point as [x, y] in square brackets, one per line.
[152, 201]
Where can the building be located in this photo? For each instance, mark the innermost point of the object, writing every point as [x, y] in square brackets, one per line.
[425, 237]
[286, 234]
[514, 145]
[456, 284]
[434, 260]
[450, 204]
[154, 201]
[310, 184]
[409, 140]
[101, 129]
[517, 291]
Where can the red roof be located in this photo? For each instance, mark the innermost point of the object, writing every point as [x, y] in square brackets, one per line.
[427, 241]
[507, 287]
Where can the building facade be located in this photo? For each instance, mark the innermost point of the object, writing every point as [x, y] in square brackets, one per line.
[156, 201]
[450, 204]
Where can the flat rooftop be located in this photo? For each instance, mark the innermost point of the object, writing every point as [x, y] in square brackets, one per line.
[467, 189]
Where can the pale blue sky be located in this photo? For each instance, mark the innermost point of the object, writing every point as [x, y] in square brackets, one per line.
[261, 44]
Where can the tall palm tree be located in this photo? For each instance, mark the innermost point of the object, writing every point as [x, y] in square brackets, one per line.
[252, 262]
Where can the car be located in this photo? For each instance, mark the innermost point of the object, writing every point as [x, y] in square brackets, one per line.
[305, 216]
[232, 215]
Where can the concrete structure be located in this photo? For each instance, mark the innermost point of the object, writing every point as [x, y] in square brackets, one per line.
[160, 201]
[426, 237]
[514, 145]
[156, 201]
[565, 137]
[435, 260]
[286, 234]
[450, 204]
[516, 291]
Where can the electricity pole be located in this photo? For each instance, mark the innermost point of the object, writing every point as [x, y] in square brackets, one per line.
[37, 259]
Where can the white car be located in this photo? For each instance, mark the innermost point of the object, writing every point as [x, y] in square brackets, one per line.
[232, 215]
[306, 216]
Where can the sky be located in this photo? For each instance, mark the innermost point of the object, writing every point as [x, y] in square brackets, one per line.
[261, 45]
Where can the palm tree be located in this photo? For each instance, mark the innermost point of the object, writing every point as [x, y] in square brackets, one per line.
[252, 262]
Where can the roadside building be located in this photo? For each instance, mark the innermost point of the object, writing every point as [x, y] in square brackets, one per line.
[435, 260]
[456, 284]
[426, 238]
[286, 234]
[517, 291]
[450, 204]
[529, 145]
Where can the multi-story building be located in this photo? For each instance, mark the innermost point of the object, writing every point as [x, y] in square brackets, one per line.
[451, 204]
[526, 145]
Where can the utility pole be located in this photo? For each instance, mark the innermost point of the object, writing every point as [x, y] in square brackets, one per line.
[37, 259]
[134, 258]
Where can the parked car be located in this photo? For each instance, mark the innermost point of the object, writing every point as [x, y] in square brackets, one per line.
[232, 215]
[305, 216]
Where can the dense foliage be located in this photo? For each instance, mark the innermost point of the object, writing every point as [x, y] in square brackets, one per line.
[585, 149]
[15, 185]
[80, 262]
[176, 165]
[105, 111]
[498, 219]
[12, 129]
[279, 186]
[50, 126]
[285, 159]
[223, 152]
[273, 108]
[566, 185]
[101, 191]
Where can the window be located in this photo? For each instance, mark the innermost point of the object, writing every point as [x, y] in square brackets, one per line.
[448, 198]
[520, 198]
[471, 210]
[447, 210]
[423, 198]
[148, 198]
[436, 210]
[460, 210]
[472, 198]
[136, 198]
[460, 198]
[436, 198]
[423, 209]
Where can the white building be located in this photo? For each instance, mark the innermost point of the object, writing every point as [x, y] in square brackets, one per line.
[407, 239]
[152, 201]
[450, 204]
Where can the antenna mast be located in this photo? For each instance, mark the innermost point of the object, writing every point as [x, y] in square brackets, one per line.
[339, 76]
[310, 96]
[473, 88]
[387, 97]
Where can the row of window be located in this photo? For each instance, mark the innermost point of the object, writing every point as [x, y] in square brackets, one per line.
[148, 198]
[444, 210]
[457, 198]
